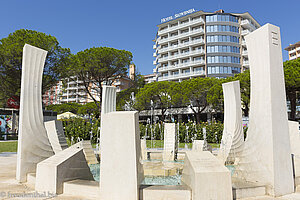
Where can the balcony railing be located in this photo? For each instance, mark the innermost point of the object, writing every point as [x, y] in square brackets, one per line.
[192, 22]
[181, 65]
[181, 75]
[181, 55]
[176, 37]
[181, 45]
[245, 32]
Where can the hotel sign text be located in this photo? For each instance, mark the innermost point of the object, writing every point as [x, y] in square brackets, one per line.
[178, 15]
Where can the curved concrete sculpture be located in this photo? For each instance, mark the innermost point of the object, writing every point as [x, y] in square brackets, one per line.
[233, 135]
[69, 164]
[266, 155]
[33, 142]
[55, 132]
[108, 103]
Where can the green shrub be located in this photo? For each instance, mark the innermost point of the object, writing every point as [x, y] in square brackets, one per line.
[81, 128]
[187, 131]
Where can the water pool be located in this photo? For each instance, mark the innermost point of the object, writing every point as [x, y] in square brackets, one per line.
[152, 180]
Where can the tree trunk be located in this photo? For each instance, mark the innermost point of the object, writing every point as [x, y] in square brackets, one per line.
[246, 110]
[292, 97]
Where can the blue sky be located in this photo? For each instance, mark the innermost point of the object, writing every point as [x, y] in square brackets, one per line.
[131, 25]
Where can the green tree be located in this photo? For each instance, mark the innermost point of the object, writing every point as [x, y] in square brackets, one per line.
[97, 66]
[161, 93]
[90, 109]
[244, 79]
[11, 51]
[65, 107]
[194, 94]
[292, 83]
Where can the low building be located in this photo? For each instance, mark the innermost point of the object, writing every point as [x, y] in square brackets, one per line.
[294, 51]
[73, 90]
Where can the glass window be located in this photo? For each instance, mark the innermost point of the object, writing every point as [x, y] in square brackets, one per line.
[227, 18]
[217, 70]
[209, 70]
[221, 70]
[213, 70]
[225, 70]
[208, 59]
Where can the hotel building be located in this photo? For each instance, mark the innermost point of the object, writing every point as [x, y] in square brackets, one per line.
[202, 44]
[294, 51]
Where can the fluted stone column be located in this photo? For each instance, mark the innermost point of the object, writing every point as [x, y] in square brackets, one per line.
[108, 103]
[266, 155]
[33, 143]
[233, 135]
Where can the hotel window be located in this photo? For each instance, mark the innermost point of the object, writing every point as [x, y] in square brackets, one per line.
[185, 31]
[174, 34]
[175, 72]
[186, 71]
[185, 50]
[185, 21]
[185, 60]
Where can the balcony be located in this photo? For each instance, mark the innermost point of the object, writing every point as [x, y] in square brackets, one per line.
[154, 54]
[154, 46]
[245, 53]
[181, 75]
[246, 63]
[192, 22]
[293, 57]
[181, 35]
[181, 65]
[116, 83]
[181, 45]
[243, 42]
[181, 55]
[246, 23]
[245, 32]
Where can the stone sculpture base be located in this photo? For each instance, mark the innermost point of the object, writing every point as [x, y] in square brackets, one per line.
[89, 152]
[69, 164]
[206, 175]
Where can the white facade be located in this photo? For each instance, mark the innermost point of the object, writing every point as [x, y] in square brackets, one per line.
[202, 44]
[294, 51]
[74, 91]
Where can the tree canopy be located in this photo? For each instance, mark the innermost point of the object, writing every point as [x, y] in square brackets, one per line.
[11, 51]
[292, 83]
[97, 66]
[162, 94]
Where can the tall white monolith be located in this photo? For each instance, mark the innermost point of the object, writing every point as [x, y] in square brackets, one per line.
[121, 171]
[233, 135]
[170, 142]
[266, 155]
[33, 142]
